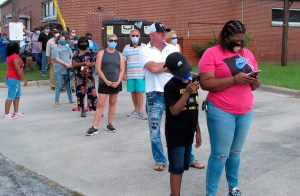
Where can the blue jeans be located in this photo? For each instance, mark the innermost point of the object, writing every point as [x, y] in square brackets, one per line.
[179, 158]
[227, 134]
[155, 106]
[44, 62]
[38, 59]
[60, 79]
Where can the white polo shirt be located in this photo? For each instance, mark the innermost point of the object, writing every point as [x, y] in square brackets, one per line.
[156, 81]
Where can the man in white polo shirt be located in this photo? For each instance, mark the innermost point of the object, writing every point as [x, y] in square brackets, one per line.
[153, 57]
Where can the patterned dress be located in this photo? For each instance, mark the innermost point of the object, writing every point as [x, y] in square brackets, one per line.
[84, 81]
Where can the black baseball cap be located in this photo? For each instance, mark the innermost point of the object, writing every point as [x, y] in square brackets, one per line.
[158, 27]
[177, 64]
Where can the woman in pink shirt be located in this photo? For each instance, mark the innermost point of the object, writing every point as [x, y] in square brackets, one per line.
[13, 76]
[228, 72]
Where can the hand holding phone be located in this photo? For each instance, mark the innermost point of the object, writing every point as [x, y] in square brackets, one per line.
[254, 74]
[196, 78]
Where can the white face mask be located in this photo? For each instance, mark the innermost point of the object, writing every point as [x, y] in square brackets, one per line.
[73, 34]
[56, 34]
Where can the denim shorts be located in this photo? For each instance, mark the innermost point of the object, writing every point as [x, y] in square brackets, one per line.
[135, 85]
[179, 158]
[14, 88]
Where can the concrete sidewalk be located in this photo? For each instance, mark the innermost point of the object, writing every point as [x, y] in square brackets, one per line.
[51, 142]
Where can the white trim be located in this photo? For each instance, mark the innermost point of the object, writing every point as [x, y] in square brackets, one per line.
[291, 24]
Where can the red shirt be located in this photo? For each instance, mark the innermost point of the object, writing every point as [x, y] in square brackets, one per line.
[11, 71]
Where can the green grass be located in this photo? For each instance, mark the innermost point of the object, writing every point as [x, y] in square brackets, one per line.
[272, 73]
[31, 75]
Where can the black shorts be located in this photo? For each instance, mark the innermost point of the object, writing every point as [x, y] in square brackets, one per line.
[104, 89]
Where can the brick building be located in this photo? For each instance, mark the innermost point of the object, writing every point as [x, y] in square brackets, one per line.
[193, 20]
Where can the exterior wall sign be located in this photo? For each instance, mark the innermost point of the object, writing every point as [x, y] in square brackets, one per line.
[109, 30]
[146, 29]
[125, 29]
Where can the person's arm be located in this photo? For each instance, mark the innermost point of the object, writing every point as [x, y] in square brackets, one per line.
[177, 107]
[121, 73]
[255, 84]
[125, 77]
[155, 67]
[75, 40]
[98, 68]
[19, 70]
[48, 48]
[198, 136]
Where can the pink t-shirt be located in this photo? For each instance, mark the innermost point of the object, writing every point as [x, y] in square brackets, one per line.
[237, 99]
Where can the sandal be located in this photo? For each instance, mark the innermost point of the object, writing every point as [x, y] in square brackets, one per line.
[55, 104]
[197, 165]
[159, 167]
[75, 109]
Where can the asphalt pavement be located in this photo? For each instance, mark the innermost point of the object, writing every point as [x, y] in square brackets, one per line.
[49, 146]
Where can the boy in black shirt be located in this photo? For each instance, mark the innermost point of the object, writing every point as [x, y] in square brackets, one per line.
[181, 98]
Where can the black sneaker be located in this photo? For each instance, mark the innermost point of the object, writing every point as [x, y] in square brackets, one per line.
[83, 113]
[92, 131]
[235, 192]
[110, 128]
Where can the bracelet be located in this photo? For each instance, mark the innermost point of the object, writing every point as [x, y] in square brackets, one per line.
[234, 80]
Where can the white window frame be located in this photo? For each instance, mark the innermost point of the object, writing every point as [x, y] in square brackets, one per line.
[280, 24]
[49, 11]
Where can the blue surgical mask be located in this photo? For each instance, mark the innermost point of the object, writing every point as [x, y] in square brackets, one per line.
[62, 42]
[135, 40]
[185, 77]
[112, 44]
[47, 30]
[174, 41]
[38, 32]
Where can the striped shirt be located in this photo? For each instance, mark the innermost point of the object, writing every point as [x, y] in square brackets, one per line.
[131, 55]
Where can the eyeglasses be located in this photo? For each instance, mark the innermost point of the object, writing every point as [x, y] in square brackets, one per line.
[174, 38]
[134, 35]
[112, 40]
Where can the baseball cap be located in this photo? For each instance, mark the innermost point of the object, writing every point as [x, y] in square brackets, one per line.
[158, 27]
[177, 64]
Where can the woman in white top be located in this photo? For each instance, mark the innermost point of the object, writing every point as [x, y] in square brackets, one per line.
[171, 38]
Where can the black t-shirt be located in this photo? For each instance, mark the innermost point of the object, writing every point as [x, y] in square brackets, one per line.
[44, 39]
[180, 129]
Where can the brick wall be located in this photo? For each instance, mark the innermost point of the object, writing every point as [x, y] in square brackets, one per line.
[193, 20]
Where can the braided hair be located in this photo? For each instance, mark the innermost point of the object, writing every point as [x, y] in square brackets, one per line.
[231, 28]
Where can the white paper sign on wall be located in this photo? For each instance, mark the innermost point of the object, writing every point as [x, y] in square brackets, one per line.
[16, 31]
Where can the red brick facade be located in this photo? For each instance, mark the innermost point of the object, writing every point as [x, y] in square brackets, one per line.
[193, 20]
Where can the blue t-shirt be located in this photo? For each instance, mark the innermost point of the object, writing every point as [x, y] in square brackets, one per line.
[75, 47]
[4, 43]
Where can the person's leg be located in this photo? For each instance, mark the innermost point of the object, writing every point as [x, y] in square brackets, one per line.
[80, 91]
[155, 106]
[12, 92]
[140, 89]
[221, 126]
[176, 156]
[28, 63]
[69, 92]
[52, 79]
[4, 56]
[232, 165]
[59, 81]
[44, 63]
[112, 107]
[37, 57]
[16, 104]
[91, 94]
[99, 111]
[134, 100]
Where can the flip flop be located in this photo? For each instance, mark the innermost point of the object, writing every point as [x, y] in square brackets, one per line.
[197, 165]
[159, 167]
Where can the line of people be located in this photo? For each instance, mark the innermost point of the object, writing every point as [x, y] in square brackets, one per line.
[162, 72]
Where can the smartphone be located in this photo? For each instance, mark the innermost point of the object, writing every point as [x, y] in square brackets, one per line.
[196, 78]
[255, 74]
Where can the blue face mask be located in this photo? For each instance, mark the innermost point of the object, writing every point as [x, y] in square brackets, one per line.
[174, 41]
[135, 40]
[112, 44]
[47, 30]
[185, 77]
[62, 42]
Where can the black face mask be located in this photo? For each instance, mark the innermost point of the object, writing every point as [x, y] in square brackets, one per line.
[232, 45]
[82, 46]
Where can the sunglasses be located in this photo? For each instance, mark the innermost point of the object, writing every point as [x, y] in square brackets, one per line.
[174, 38]
[134, 35]
[47, 28]
[112, 40]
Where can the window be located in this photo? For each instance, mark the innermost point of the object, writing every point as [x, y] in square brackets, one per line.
[277, 17]
[49, 10]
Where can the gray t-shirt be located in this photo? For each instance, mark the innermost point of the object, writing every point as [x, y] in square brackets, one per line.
[63, 53]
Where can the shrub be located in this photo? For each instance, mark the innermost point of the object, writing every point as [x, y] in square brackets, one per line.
[201, 48]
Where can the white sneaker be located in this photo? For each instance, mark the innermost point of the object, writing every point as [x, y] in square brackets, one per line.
[9, 117]
[133, 113]
[235, 192]
[20, 114]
